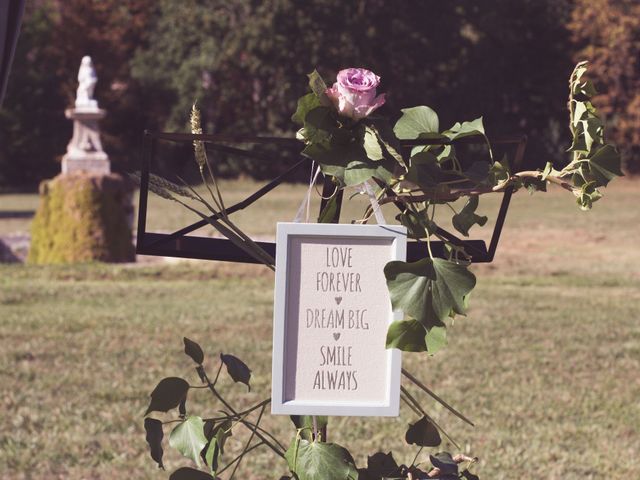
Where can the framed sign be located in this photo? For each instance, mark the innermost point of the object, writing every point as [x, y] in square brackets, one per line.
[331, 314]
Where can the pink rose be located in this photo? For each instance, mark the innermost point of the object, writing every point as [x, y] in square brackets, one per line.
[354, 93]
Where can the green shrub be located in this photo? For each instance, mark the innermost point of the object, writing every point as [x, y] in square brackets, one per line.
[82, 218]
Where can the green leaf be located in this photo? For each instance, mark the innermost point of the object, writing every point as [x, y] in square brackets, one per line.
[499, 171]
[153, 429]
[465, 129]
[445, 462]
[237, 369]
[317, 85]
[192, 349]
[592, 130]
[429, 290]
[587, 194]
[578, 112]
[416, 122]
[585, 88]
[467, 475]
[319, 125]
[382, 465]
[320, 461]
[358, 171]
[348, 162]
[186, 473]
[605, 165]
[418, 226]
[304, 423]
[468, 129]
[423, 433]
[407, 335]
[391, 144]
[330, 210]
[467, 218]
[306, 103]
[371, 145]
[211, 455]
[168, 394]
[188, 438]
[217, 434]
[425, 171]
[436, 339]
[478, 172]
[222, 432]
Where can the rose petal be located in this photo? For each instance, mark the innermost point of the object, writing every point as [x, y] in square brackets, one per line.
[362, 111]
[333, 94]
[357, 79]
[345, 107]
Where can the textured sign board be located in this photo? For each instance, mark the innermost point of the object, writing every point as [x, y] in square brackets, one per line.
[331, 315]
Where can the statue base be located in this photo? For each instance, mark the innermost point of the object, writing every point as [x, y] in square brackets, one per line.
[84, 152]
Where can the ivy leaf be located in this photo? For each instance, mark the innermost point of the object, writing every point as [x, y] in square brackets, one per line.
[478, 172]
[499, 171]
[186, 473]
[211, 454]
[467, 218]
[391, 144]
[436, 338]
[425, 171]
[467, 475]
[371, 145]
[320, 461]
[168, 394]
[465, 129]
[361, 171]
[153, 428]
[418, 225]
[318, 87]
[319, 125]
[188, 438]
[578, 112]
[380, 465]
[328, 214]
[192, 349]
[348, 162]
[592, 130]
[407, 335]
[423, 433]
[237, 369]
[417, 122]
[445, 462]
[429, 290]
[217, 435]
[306, 103]
[605, 165]
[304, 423]
[587, 194]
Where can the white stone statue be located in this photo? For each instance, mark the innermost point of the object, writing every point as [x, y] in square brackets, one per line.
[84, 151]
[87, 80]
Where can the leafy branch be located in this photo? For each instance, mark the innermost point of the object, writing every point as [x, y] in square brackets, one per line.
[309, 456]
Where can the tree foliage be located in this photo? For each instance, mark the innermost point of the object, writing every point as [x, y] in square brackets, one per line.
[245, 62]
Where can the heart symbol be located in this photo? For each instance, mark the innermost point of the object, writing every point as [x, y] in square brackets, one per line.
[338, 300]
[336, 336]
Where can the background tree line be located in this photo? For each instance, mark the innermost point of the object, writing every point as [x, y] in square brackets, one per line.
[245, 62]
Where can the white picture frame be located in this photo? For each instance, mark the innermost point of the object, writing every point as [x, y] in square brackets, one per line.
[331, 314]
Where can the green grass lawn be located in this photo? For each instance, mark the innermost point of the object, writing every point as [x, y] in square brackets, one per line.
[547, 363]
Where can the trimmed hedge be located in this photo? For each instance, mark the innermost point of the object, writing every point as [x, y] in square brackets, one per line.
[83, 218]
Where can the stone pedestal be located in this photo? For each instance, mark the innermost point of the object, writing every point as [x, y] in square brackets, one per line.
[84, 152]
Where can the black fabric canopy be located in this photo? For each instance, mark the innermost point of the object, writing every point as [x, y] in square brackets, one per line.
[10, 18]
